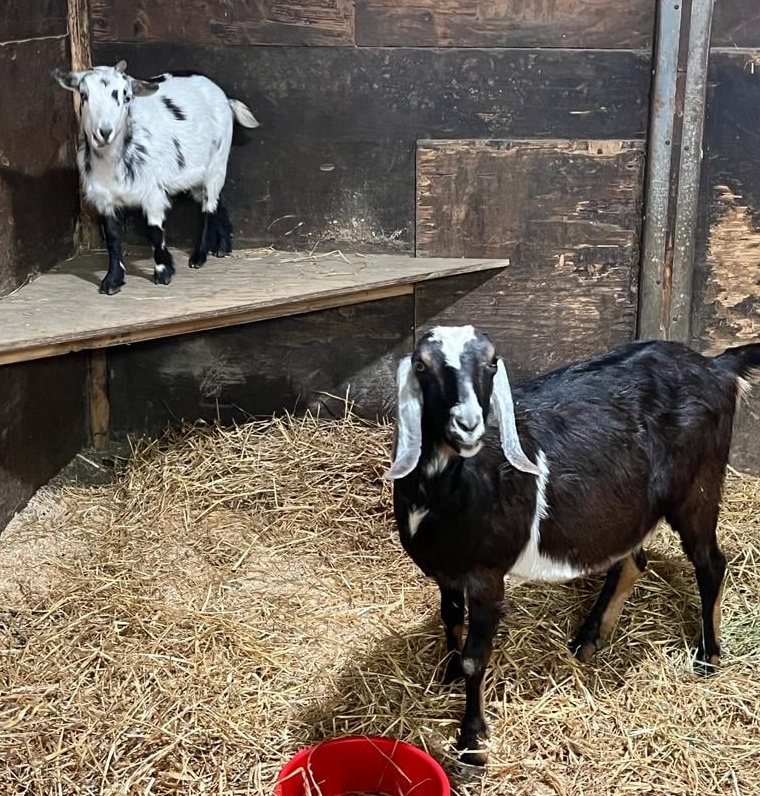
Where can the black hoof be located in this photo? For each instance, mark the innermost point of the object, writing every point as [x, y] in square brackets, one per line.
[472, 749]
[706, 665]
[584, 648]
[110, 287]
[162, 274]
[197, 260]
[223, 246]
[453, 672]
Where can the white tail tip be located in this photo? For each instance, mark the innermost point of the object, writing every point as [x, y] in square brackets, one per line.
[242, 114]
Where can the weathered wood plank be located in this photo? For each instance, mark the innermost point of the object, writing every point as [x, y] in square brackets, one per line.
[296, 22]
[736, 23]
[63, 311]
[334, 157]
[305, 362]
[726, 301]
[28, 19]
[566, 213]
[507, 23]
[38, 182]
[43, 423]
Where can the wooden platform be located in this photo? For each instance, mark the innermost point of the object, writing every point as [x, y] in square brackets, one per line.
[62, 311]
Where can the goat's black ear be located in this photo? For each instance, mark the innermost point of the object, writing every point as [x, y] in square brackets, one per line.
[143, 88]
[69, 80]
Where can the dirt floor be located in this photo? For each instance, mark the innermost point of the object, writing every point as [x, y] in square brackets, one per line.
[235, 595]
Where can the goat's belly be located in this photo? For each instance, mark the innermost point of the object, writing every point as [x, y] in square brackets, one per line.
[534, 565]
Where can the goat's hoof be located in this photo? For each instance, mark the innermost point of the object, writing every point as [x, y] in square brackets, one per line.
[453, 671]
[223, 249]
[472, 750]
[706, 665]
[110, 287]
[197, 260]
[162, 274]
[585, 648]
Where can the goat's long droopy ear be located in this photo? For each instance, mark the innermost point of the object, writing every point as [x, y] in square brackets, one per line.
[69, 80]
[504, 408]
[408, 422]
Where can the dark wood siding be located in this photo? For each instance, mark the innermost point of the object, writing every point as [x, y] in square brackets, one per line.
[38, 182]
[305, 362]
[43, 423]
[568, 216]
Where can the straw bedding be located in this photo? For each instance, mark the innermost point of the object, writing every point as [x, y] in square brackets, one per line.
[234, 595]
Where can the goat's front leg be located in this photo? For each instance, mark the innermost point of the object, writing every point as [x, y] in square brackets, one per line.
[452, 614]
[485, 596]
[164, 267]
[114, 279]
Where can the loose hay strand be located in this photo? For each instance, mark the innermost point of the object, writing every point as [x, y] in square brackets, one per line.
[237, 594]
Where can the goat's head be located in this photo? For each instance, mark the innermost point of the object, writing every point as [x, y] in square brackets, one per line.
[105, 93]
[447, 387]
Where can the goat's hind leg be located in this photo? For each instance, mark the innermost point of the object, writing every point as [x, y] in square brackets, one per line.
[696, 521]
[452, 614]
[597, 629]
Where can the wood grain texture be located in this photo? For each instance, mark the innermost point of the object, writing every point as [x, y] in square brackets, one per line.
[566, 213]
[505, 23]
[305, 362]
[38, 181]
[43, 424]
[726, 300]
[736, 23]
[63, 311]
[334, 156]
[213, 22]
[27, 19]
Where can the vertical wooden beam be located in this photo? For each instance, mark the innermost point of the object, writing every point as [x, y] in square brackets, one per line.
[674, 164]
[100, 405]
[80, 42]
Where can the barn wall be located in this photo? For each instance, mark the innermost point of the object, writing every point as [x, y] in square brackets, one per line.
[726, 301]
[38, 183]
[343, 91]
[43, 423]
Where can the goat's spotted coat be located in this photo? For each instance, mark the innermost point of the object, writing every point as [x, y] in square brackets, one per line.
[583, 464]
[144, 142]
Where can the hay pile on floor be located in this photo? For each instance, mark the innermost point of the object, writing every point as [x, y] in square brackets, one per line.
[238, 594]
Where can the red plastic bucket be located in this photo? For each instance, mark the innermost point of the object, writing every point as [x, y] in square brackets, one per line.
[359, 764]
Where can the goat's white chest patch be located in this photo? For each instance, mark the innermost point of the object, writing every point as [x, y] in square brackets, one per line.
[416, 516]
[532, 564]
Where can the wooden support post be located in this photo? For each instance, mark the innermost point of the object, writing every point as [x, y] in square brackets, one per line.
[80, 42]
[674, 164]
[100, 405]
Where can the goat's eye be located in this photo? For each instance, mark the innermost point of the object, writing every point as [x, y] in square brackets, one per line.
[83, 96]
[492, 364]
[127, 98]
[419, 366]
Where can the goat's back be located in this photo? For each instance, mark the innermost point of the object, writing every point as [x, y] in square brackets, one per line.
[626, 437]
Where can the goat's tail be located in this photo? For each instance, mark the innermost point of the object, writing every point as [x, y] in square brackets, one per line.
[242, 114]
[740, 361]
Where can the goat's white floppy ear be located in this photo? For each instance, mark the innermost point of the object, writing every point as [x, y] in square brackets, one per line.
[504, 409]
[408, 422]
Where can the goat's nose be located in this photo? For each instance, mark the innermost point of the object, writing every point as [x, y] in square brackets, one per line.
[105, 132]
[467, 425]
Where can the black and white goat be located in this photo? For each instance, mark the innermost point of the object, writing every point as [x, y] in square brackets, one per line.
[586, 460]
[146, 141]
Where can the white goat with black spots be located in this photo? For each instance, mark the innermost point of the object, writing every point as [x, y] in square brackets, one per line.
[146, 141]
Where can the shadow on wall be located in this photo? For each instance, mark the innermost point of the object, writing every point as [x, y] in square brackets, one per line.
[37, 222]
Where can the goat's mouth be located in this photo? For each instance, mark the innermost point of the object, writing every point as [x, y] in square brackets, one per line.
[465, 449]
[99, 143]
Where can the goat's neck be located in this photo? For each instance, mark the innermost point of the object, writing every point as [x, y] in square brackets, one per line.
[435, 458]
